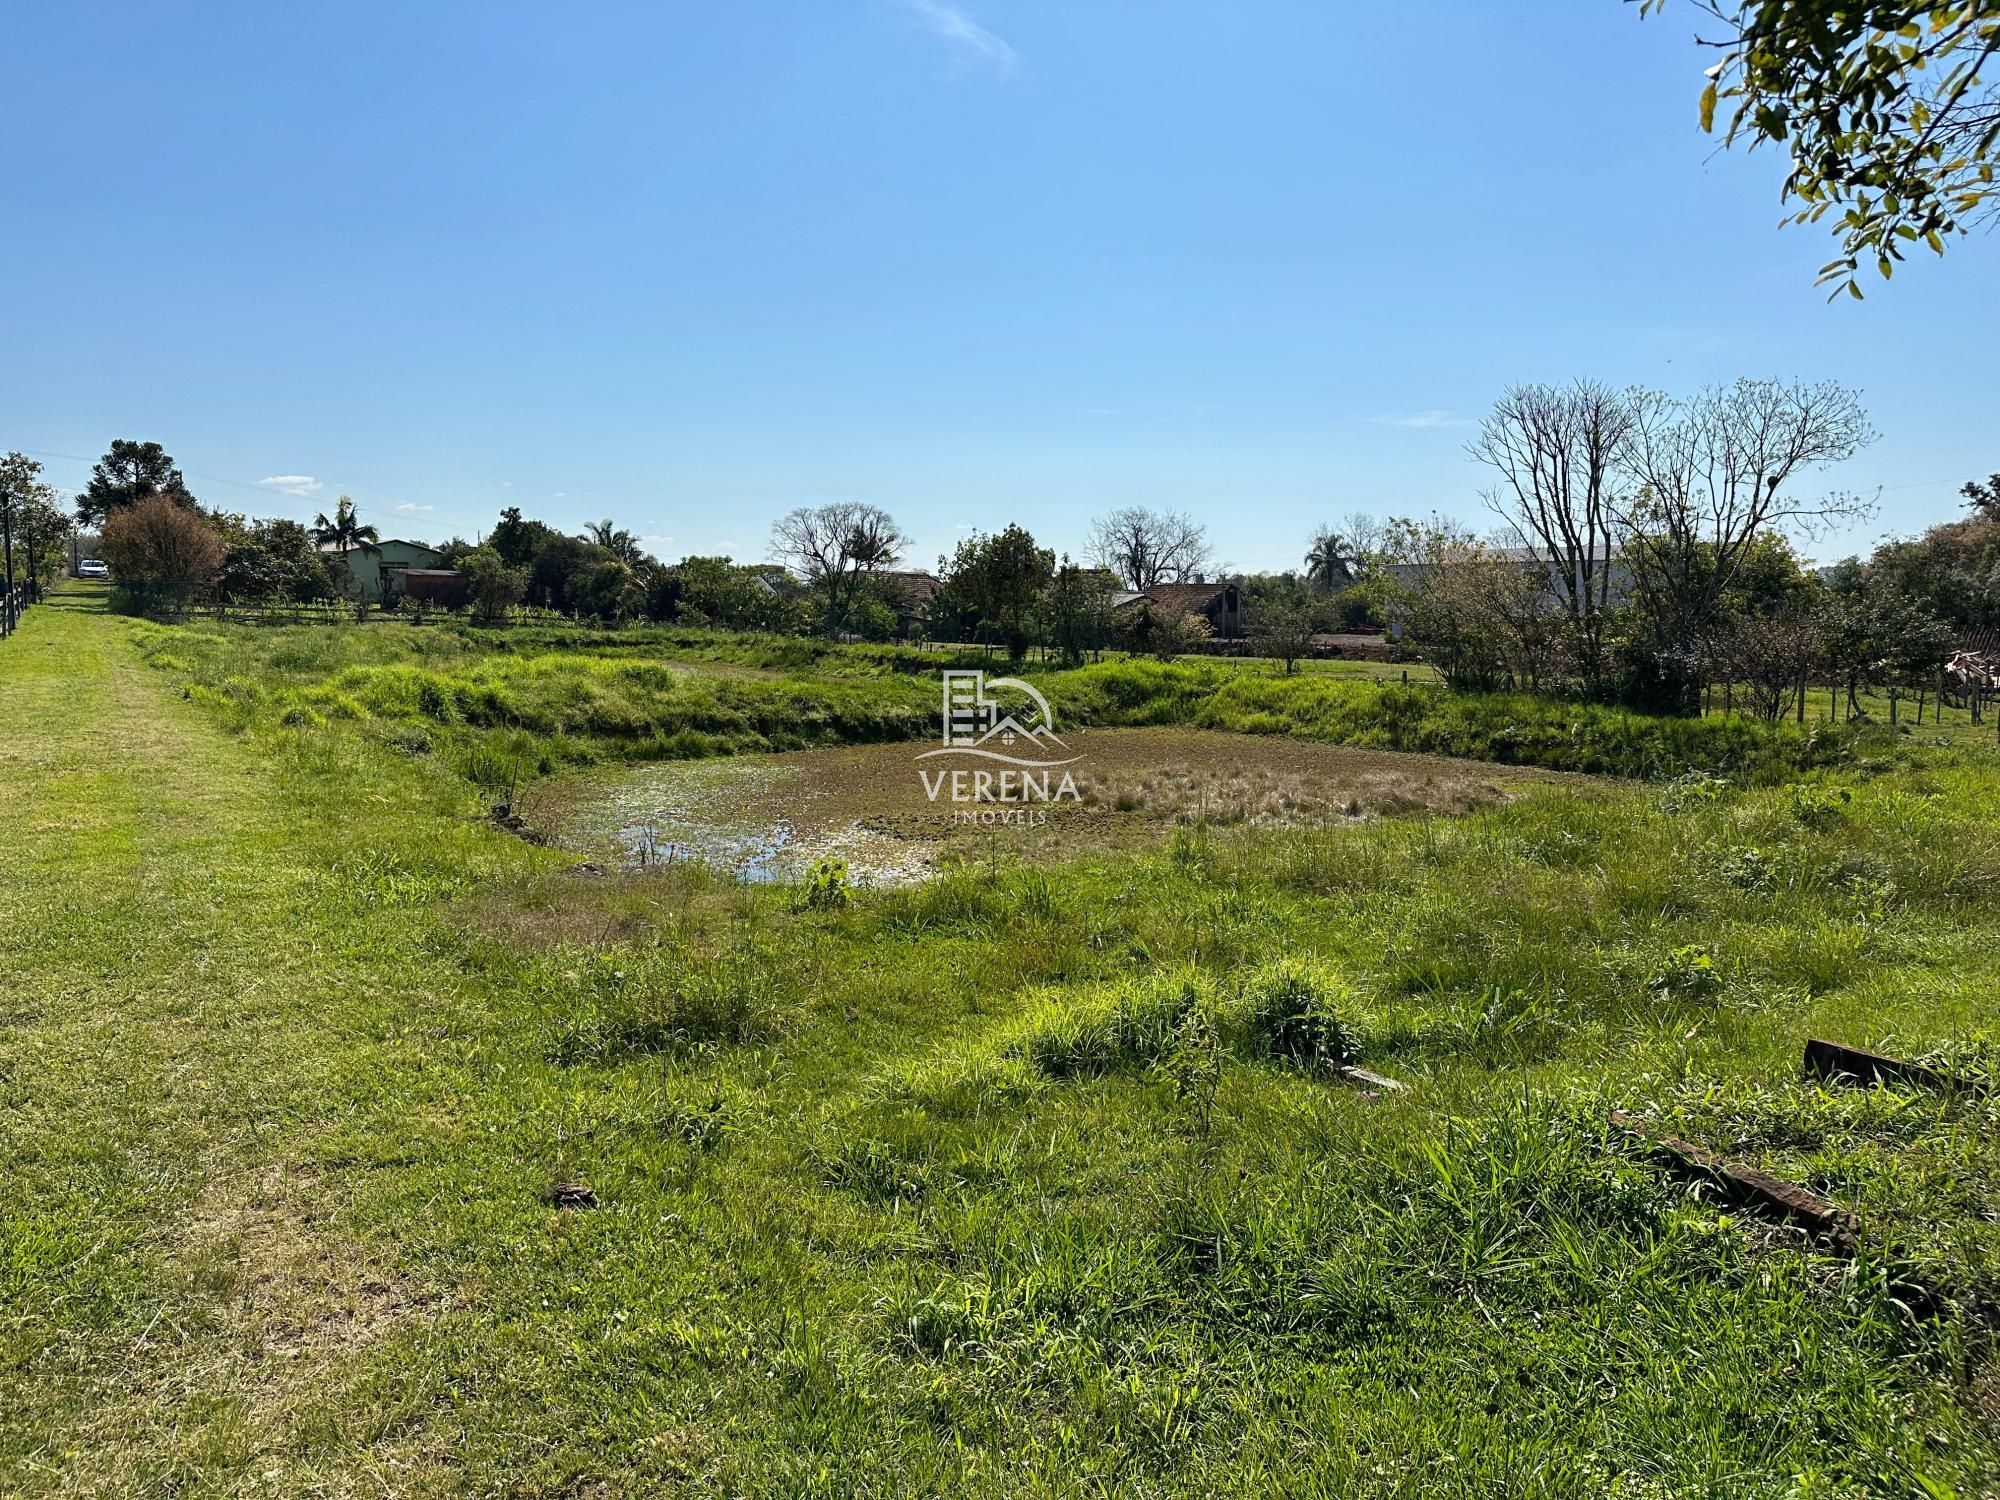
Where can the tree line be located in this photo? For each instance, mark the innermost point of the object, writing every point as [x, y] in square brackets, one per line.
[1645, 548]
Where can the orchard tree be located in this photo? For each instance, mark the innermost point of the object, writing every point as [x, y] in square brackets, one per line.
[835, 548]
[1888, 112]
[128, 473]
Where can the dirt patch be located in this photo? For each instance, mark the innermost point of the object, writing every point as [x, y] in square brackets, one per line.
[768, 817]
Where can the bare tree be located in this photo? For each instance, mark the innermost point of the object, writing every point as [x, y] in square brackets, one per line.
[1366, 535]
[1555, 450]
[1710, 476]
[1144, 547]
[834, 547]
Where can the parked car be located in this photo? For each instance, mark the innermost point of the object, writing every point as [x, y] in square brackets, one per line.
[92, 567]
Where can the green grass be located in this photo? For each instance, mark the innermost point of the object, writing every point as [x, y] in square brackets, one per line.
[517, 704]
[1017, 1182]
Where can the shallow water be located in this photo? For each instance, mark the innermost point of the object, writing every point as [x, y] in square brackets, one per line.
[718, 813]
[769, 818]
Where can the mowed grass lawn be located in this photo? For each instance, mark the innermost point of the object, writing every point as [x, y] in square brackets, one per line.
[1024, 1181]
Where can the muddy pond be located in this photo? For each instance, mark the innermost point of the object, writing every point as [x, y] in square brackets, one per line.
[769, 817]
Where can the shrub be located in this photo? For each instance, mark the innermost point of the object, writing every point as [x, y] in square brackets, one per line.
[1294, 1007]
[825, 887]
[158, 547]
[1687, 973]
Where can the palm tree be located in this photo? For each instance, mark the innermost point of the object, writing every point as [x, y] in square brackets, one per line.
[344, 531]
[620, 544]
[1330, 561]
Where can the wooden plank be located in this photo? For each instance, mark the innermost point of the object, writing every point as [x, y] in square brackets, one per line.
[1746, 1185]
[1838, 1064]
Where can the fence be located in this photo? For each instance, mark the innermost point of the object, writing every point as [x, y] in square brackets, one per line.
[330, 612]
[12, 602]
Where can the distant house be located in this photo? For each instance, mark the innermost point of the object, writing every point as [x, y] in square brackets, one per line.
[375, 572]
[1217, 603]
[911, 595]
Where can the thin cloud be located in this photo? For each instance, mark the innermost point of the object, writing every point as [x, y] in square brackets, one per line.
[1421, 419]
[972, 46]
[304, 486]
[408, 509]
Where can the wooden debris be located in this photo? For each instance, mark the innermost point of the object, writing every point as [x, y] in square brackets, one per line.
[572, 1195]
[1747, 1186]
[1838, 1064]
[1370, 1080]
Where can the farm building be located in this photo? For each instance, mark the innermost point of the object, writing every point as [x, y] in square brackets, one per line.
[372, 570]
[1217, 603]
[447, 588]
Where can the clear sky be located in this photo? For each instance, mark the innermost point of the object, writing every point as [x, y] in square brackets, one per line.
[689, 263]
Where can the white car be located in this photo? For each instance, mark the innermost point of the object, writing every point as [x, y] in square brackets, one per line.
[91, 567]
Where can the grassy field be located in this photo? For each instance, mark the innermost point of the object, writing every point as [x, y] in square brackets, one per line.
[1020, 1181]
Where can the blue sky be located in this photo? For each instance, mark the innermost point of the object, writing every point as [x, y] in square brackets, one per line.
[692, 264]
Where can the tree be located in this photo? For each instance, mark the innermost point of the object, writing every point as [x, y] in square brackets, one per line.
[1331, 560]
[493, 586]
[274, 559]
[1983, 500]
[709, 591]
[1770, 654]
[41, 526]
[1285, 633]
[20, 485]
[609, 589]
[998, 580]
[558, 567]
[1882, 108]
[128, 473]
[1710, 477]
[834, 547]
[1480, 618]
[160, 548]
[1144, 547]
[343, 532]
[516, 539]
[1159, 631]
[1076, 610]
[620, 544]
[1555, 451]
